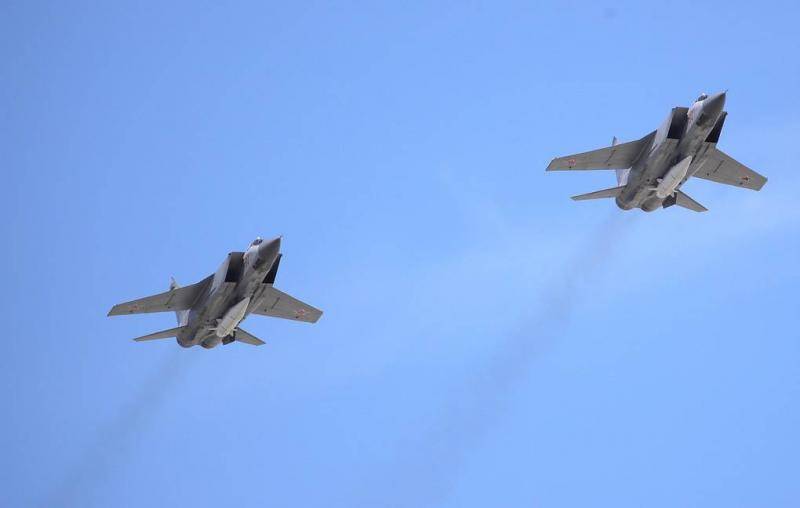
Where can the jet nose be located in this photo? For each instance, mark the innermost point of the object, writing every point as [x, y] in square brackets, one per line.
[268, 251]
[714, 104]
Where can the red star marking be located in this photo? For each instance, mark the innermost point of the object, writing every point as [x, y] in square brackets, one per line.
[299, 313]
[571, 163]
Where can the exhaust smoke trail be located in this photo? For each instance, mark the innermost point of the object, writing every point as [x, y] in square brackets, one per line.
[431, 465]
[114, 442]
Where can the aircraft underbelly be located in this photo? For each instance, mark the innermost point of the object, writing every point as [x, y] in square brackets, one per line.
[204, 317]
[644, 179]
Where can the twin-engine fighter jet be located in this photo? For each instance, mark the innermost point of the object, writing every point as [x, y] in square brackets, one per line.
[210, 311]
[651, 170]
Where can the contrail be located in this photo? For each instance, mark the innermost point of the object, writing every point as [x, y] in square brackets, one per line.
[425, 472]
[112, 445]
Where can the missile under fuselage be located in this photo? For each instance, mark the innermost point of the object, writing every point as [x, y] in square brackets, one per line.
[673, 178]
[232, 318]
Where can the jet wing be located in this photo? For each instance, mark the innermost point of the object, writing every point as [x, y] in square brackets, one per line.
[620, 156]
[722, 168]
[174, 300]
[276, 303]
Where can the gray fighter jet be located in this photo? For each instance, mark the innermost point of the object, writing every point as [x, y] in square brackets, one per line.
[210, 311]
[651, 170]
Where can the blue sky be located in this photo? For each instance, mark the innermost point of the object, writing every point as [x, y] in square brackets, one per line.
[486, 341]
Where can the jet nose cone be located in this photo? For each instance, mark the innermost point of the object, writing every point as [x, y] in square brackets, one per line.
[714, 104]
[268, 251]
[269, 246]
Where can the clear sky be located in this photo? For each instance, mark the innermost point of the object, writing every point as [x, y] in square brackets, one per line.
[486, 341]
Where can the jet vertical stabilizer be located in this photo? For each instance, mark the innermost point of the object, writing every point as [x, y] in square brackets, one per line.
[622, 174]
[180, 315]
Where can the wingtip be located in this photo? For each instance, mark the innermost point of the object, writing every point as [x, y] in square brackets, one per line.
[554, 164]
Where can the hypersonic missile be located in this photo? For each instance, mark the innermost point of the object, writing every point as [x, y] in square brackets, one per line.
[673, 178]
[231, 319]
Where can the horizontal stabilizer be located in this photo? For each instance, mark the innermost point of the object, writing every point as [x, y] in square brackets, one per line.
[243, 336]
[170, 301]
[618, 156]
[165, 334]
[681, 199]
[605, 193]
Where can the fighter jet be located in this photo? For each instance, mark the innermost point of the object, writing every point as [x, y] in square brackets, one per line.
[651, 170]
[210, 311]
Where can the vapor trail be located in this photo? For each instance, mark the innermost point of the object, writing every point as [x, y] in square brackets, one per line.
[112, 445]
[432, 464]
